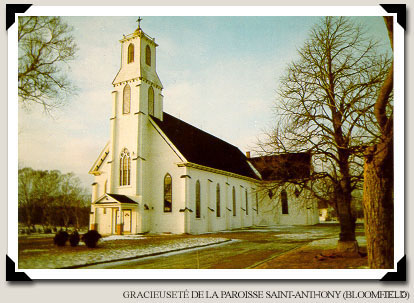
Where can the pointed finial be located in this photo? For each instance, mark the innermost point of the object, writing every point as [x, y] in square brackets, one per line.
[139, 22]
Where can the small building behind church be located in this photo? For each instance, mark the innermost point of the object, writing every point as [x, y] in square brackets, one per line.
[160, 174]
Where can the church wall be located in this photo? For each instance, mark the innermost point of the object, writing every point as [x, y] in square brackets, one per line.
[104, 217]
[208, 221]
[125, 136]
[302, 210]
[98, 190]
[160, 160]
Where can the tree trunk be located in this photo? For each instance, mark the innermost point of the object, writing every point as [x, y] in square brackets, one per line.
[347, 242]
[378, 202]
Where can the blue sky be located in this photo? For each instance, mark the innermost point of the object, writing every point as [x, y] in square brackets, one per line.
[219, 74]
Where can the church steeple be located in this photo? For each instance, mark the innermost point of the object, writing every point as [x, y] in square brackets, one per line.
[137, 80]
[138, 58]
[136, 97]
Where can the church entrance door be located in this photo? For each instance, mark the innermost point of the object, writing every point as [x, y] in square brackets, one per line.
[127, 220]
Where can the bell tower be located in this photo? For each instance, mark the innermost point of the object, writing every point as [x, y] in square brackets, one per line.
[136, 96]
[138, 66]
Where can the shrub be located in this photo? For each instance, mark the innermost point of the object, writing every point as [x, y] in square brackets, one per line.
[91, 238]
[47, 231]
[60, 238]
[74, 239]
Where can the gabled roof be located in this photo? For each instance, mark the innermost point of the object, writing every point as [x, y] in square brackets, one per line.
[98, 162]
[122, 198]
[292, 166]
[204, 149]
[118, 199]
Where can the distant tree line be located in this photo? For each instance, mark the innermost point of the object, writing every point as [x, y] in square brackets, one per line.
[51, 199]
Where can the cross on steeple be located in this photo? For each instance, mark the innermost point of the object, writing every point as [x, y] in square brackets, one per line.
[139, 22]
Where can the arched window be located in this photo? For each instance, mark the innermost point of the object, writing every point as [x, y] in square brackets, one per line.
[218, 210]
[247, 204]
[167, 193]
[126, 105]
[198, 200]
[284, 199]
[234, 201]
[151, 101]
[125, 168]
[148, 55]
[130, 53]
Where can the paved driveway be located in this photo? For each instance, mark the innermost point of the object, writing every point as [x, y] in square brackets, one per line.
[247, 248]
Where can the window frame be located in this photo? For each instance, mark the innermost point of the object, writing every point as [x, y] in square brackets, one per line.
[126, 100]
[284, 202]
[125, 168]
[167, 208]
[151, 103]
[218, 201]
[198, 200]
[148, 55]
[131, 53]
[247, 203]
[234, 202]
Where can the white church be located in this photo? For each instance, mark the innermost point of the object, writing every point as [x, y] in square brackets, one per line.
[159, 174]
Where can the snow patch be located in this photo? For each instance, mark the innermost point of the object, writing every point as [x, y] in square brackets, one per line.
[122, 237]
[110, 251]
[304, 236]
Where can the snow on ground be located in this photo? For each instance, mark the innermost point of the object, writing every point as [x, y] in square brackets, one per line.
[332, 243]
[38, 236]
[122, 237]
[133, 261]
[260, 229]
[308, 235]
[304, 236]
[106, 252]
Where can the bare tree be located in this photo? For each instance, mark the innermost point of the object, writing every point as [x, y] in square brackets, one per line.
[45, 47]
[378, 196]
[26, 198]
[71, 197]
[325, 107]
[51, 198]
[37, 192]
[48, 193]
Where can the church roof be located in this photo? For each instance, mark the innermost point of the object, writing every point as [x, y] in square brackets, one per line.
[292, 166]
[98, 162]
[118, 198]
[122, 198]
[204, 149]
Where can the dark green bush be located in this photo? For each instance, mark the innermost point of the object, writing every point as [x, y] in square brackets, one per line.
[91, 238]
[60, 238]
[74, 239]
